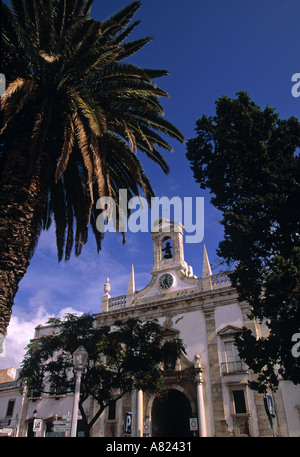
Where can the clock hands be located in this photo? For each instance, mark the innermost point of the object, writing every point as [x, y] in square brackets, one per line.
[165, 281]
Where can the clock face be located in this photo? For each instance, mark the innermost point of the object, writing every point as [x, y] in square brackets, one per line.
[165, 281]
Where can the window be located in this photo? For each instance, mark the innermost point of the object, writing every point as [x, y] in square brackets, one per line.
[233, 363]
[240, 411]
[231, 352]
[10, 408]
[239, 401]
[57, 390]
[30, 432]
[34, 393]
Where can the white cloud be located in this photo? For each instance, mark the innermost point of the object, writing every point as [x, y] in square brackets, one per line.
[69, 310]
[21, 331]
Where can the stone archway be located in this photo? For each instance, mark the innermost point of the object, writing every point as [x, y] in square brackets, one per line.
[170, 415]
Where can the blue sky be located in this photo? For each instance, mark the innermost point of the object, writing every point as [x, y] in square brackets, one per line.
[211, 48]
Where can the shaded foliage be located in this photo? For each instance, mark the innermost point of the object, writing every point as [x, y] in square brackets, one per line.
[121, 358]
[249, 159]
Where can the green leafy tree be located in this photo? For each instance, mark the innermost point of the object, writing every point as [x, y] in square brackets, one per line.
[73, 117]
[121, 358]
[249, 159]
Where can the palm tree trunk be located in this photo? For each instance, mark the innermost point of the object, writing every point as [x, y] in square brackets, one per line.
[22, 201]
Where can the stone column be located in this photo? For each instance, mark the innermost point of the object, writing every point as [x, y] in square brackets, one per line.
[22, 426]
[139, 413]
[260, 420]
[200, 398]
[214, 375]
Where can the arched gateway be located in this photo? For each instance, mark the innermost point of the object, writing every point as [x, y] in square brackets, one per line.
[170, 415]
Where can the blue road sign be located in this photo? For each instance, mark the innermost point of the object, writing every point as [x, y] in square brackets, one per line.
[127, 423]
[270, 406]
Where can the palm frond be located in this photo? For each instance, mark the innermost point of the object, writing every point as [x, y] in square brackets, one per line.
[77, 196]
[124, 16]
[82, 138]
[75, 100]
[118, 21]
[133, 47]
[58, 206]
[94, 114]
[162, 125]
[69, 139]
[70, 231]
[18, 8]
[13, 87]
[42, 122]
[16, 102]
[122, 36]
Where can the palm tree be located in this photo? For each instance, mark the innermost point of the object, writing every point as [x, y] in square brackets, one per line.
[74, 115]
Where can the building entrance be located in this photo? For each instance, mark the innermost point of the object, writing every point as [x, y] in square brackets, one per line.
[170, 416]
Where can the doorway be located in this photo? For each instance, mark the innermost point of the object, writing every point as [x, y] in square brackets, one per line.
[170, 415]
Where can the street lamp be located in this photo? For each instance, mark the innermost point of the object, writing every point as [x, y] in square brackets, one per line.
[79, 360]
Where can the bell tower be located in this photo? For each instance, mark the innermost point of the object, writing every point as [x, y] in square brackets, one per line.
[168, 250]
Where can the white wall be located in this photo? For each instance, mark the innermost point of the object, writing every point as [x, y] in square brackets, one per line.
[291, 399]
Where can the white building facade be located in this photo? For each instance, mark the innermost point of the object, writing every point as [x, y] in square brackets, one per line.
[210, 383]
[208, 388]
[11, 402]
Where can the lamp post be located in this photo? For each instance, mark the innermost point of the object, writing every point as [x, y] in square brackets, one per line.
[79, 359]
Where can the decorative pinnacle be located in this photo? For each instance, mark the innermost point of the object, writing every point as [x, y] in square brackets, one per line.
[131, 283]
[206, 271]
[107, 287]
